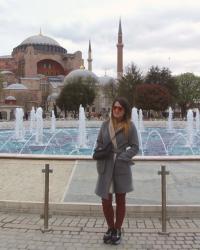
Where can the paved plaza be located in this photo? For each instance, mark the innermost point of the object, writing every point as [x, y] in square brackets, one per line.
[74, 181]
[22, 231]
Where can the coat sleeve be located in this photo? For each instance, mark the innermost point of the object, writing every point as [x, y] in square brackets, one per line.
[133, 146]
[99, 141]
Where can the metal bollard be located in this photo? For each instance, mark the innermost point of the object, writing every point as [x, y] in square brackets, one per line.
[163, 174]
[46, 198]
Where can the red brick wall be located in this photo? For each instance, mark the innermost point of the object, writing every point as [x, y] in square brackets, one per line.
[10, 102]
[8, 64]
[49, 67]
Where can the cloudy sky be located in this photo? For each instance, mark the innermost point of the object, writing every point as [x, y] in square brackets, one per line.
[155, 32]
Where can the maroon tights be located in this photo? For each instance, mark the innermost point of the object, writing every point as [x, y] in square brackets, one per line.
[109, 211]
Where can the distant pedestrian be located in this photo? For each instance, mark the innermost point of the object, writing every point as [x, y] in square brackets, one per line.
[114, 172]
[26, 116]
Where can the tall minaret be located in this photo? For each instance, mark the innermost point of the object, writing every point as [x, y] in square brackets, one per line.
[120, 46]
[89, 57]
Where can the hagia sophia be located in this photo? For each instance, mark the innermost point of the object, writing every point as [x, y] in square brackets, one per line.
[38, 68]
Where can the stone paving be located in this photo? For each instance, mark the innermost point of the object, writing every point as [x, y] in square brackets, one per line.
[22, 231]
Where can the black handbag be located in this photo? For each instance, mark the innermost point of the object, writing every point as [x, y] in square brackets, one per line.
[102, 152]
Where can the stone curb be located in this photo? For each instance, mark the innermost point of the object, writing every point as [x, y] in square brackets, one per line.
[95, 209]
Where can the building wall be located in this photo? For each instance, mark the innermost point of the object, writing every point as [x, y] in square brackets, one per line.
[28, 62]
[26, 98]
[9, 78]
[31, 83]
[8, 64]
[49, 67]
[38, 86]
[63, 64]
[73, 61]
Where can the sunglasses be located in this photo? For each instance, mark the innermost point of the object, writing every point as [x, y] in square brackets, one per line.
[115, 108]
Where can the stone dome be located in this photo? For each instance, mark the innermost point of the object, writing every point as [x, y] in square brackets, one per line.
[5, 72]
[103, 80]
[52, 97]
[10, 98]
[41, 44]
[40, 39]
[17, 86]
[80, 73]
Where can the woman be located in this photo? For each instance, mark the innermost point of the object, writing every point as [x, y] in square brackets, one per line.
[114, 172]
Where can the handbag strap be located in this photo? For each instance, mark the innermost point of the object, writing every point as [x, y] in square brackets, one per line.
[112, 134]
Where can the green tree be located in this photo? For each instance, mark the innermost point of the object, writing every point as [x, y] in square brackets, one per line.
[163, 77]
[188, 91]
[74, 93]
[127, 84]
[152, 97]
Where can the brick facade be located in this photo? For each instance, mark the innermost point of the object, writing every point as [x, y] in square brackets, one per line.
[31, 62]
[30, 59]
[8, 63]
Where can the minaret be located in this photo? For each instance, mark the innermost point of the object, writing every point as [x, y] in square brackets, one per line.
[120, 46]
[89, 57]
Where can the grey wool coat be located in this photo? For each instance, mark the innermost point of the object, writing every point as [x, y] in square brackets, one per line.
[119, 170]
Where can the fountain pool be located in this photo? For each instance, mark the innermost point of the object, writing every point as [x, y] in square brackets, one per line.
[64, 141]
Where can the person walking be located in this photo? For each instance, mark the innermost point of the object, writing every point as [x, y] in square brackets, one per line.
[114, 172]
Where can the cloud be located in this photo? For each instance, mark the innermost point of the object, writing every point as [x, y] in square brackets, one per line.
[153, 30]
[166, 28]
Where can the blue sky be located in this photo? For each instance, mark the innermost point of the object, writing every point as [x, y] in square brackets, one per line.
[155, 32]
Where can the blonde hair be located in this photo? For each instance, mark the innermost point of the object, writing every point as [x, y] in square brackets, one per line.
[125, 125]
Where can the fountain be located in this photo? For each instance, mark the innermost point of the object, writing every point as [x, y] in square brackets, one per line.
[138, 121]
[197, 119]
[53, 122]
[32, 120]
[39, 126]
[170, 122]
[190, 129]
[19, 127]
[141, 125]
[160, 138]
[82, 128]
[134, 117]
[73, 141]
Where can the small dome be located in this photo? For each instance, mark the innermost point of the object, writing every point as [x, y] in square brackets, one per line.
[103, 80]
[80, 73]
[4, 72]
[17, 86]
[10, 98]
[40, 39]
[52, 97]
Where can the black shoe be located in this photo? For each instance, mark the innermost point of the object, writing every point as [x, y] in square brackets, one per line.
[116, 237]
[107, 236]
